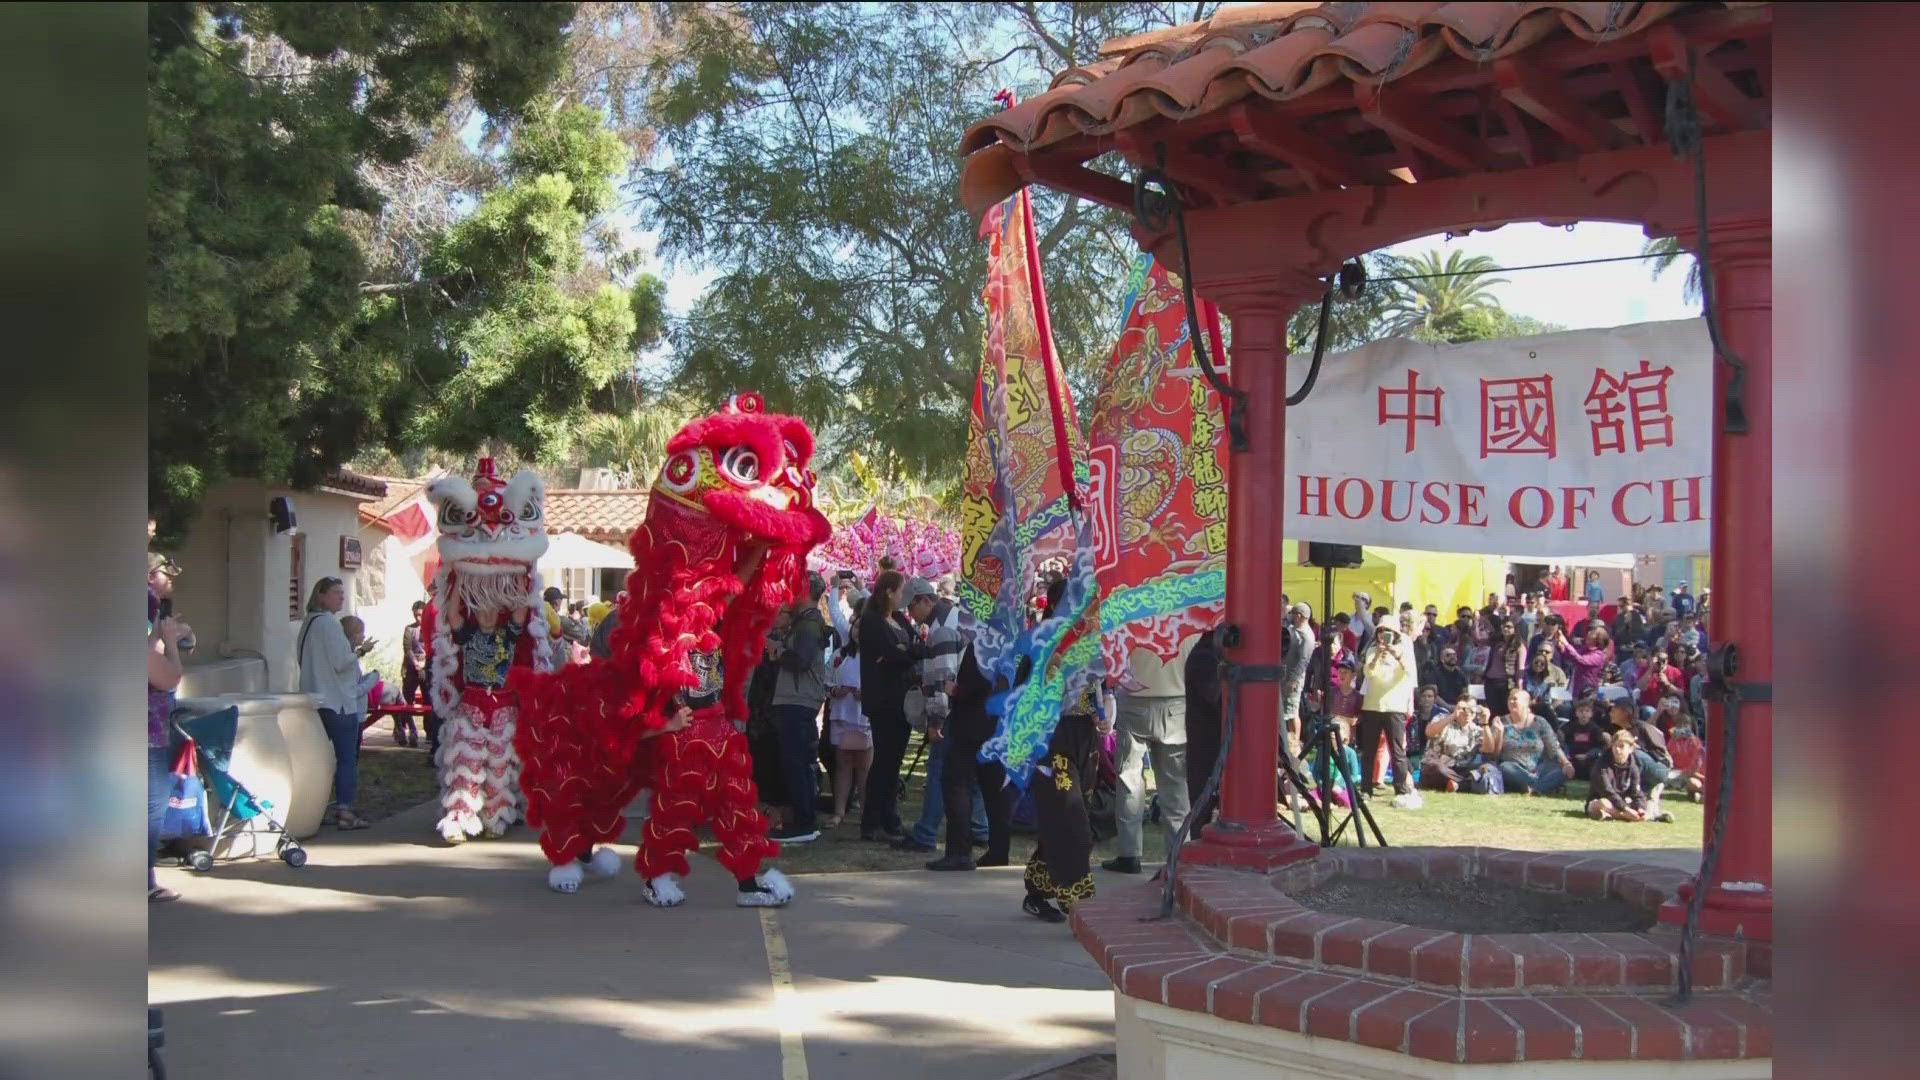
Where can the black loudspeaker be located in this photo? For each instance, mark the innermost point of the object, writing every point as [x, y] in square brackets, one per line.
[1334, 556]
[280, 512]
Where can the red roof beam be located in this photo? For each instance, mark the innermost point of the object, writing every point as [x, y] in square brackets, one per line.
[1067, 174]
[1213, 177]
[1414, 122]
[1713, 93]
[1278, 137]
[1545, 98]
[1523, 141]
[1646, 118]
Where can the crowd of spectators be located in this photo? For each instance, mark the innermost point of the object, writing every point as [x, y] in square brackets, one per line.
[1510, 698]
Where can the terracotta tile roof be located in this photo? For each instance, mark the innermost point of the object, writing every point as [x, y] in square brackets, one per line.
[347, 482]
[1318, 62]
[400, 491]
[606, 516]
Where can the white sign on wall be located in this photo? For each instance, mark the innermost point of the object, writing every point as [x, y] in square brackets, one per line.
[1562, 445]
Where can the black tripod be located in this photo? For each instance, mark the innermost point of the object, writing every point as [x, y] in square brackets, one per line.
[1323, 735]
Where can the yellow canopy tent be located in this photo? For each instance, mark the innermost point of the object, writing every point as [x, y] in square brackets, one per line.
[1391, 575]
[1447, 580]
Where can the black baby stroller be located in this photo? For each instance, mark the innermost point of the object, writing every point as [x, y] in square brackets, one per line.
[231, 806]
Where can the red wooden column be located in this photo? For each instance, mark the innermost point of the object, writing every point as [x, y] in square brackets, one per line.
[1248, 832]
[1740, 898]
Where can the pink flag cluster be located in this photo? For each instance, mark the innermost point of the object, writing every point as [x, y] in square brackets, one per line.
[923, 548]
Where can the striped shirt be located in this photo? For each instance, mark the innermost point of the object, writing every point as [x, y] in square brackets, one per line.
[942, 663]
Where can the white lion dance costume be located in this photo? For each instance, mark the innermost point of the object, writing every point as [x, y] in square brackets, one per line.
[491, 622]
[723, 548]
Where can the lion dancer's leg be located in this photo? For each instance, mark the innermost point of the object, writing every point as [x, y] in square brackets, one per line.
[576, 789]
[683, 770]
[573, 838]
[463, 770]
[500, 784]
[733, 808]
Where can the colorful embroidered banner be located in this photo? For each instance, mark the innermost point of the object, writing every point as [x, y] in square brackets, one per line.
[1022, 503]
[1157, 481]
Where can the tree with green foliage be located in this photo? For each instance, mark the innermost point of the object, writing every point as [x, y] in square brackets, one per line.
[812, 162]
[1451, 287]
[1353, 323]
[1668, 250]
[298, 313]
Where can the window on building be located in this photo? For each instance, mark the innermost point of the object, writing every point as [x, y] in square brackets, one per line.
[577, 584]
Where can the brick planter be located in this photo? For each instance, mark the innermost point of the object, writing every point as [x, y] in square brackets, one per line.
[1240, 950]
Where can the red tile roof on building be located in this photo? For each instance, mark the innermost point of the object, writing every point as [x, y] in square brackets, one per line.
[606, 516]
[1323, 64]
[348, 482]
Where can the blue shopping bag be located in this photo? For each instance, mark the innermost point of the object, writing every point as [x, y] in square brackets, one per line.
[186, 812]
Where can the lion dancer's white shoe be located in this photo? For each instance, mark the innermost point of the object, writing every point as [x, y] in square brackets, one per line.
[664, 891]
[770, 889]
[567, 877]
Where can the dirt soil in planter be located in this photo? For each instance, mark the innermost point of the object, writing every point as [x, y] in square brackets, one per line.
[1478, 906]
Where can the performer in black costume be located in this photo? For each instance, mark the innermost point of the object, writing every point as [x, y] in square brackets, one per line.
[1060, 872]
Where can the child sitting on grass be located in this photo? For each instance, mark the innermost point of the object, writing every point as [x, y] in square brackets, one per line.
[1690, 757]
[1618, 793]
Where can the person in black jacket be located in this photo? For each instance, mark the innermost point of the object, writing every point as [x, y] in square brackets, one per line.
[1619, 791]
[1450, 679]
[1203, 725]
[969, 727]
[887, 670]
[799, 652]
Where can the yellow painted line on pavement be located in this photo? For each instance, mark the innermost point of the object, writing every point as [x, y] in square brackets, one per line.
[786, 999]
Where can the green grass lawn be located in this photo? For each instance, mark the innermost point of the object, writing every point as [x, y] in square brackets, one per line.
[393, 779]
[1556, 823]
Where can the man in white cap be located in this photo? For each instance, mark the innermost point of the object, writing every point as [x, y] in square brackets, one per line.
[1298, 657]
[1362, 615]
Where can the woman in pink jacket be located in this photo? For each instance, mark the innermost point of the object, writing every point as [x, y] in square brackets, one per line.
[1589, 659]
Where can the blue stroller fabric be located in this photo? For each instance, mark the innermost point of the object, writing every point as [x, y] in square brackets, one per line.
[213, 736]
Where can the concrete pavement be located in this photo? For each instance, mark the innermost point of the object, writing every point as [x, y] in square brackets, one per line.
[391, 955]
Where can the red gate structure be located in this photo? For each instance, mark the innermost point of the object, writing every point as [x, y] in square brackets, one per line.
[1299, 136]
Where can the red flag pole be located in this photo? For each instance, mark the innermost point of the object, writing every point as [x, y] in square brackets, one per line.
[1043, 323]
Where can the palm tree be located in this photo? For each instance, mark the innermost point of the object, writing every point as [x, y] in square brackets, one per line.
[1450, 285]
[1668, 250]
[633, 442]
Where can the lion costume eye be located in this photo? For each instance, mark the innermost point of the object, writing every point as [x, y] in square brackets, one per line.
[680, 473]
[452, 514]
[741, 465]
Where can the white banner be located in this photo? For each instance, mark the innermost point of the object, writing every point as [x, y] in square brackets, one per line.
[1561, 445]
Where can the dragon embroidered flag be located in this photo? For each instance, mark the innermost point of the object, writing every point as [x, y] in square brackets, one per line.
[1157, 482]
[1023, 506]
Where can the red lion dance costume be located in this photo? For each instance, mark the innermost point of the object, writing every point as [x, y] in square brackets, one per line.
[490, 624]
[724, 546]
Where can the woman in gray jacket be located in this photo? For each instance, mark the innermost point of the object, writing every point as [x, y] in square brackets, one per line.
[330, 671]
